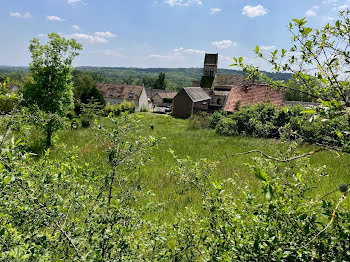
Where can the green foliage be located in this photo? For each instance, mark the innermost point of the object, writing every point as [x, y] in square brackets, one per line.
[199, 121]
[52, 210]
[296, 122]
[319, 61]
[215, 118]
[8, 101]
[161, 83]
[50, 88]
[85, 88]
[240, 225]
[117, 109]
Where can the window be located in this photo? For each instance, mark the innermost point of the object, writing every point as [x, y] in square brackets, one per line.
[111, 93]
[120, 95]
[131, 95]
[218, 101]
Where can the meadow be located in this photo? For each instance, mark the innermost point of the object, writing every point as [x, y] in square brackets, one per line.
[198, 144]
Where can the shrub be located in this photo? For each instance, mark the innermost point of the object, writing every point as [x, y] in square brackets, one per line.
[75, 123]
[215, 118]
[227, 126]
[70, 115]
[199, 121]
[8, 102]
[266, 120]
[85, 122]
[117, 109]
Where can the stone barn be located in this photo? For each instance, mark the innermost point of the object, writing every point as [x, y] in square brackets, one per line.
[117, 94]
[189, 101]
[251, 94]
[163, 98]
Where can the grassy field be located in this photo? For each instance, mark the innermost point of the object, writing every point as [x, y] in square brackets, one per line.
[199, 144]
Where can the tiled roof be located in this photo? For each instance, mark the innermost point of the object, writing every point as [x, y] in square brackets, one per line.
[253, 94]
[167, 95]
[230, 80]
[196, 93]
[151, 92]
[128, 92]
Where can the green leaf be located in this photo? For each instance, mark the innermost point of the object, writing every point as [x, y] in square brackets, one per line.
[257, 49]
[240, 60]
[268, 192]
[7, 179]
[259, 173]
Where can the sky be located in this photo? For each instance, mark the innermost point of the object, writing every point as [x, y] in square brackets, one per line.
[158, 33]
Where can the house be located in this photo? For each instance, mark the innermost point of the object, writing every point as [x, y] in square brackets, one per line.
[12, 87]
[116, 94]
[251, 94]
[189, 101]
[222, 86]
[162, 99]
[162, 94]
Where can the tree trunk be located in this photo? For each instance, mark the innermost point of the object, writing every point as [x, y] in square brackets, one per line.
[48, 134]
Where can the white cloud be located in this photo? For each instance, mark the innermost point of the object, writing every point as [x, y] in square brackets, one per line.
[214, 11]
[90, 38]
[54, 18]
[267, 47]
[183, 2]
[105, 34]
[253, 11]
[108, 52]
[194, 51]
[97, 37]
[312, 11]
[223, 44]
[19, 15]
[156, 56]
[73, 1]
[76, 27]
[188, 51]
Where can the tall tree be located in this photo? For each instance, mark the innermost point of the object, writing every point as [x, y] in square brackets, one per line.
[161, 82]
[85, 88]
[51, 88]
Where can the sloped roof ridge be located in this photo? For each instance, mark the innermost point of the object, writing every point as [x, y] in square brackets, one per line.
[201, 94]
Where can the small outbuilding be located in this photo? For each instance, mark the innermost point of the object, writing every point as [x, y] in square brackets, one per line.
[163, 99]
[189, 101]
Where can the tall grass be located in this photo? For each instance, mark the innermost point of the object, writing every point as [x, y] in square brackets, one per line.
[198, 143]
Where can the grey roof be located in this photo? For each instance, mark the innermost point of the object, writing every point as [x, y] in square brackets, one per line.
[151, 92]
[196, 94]
[230, 80]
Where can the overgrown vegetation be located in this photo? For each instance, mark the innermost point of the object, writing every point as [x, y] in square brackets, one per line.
[295, 123]
[56, 205]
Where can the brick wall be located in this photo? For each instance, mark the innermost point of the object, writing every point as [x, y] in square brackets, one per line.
[253, 94]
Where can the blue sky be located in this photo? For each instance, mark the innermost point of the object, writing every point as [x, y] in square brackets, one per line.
[157, 33]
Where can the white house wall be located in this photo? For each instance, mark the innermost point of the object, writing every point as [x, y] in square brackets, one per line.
[143, 101]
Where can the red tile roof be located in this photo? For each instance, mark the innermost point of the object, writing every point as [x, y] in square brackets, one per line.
[253, 94]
